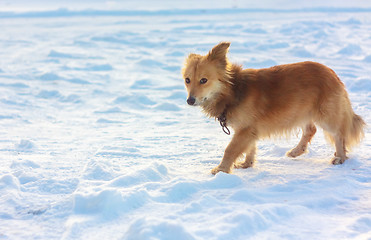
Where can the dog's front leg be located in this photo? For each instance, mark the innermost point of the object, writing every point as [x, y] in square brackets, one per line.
[236, 147]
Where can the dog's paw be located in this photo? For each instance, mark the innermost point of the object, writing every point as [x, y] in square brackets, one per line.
[220, 169]
[245, 164]
[337, 160]
[297, 151]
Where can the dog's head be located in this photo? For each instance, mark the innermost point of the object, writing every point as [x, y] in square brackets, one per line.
[204, 75]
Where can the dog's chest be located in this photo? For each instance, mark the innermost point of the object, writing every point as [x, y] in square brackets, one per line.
[239, 118]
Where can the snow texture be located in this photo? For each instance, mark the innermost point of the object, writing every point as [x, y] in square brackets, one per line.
[97, 142]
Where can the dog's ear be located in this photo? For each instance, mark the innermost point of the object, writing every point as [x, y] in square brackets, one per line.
[192, 55]
[219, 52]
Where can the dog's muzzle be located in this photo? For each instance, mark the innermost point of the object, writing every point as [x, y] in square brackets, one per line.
[191, 100]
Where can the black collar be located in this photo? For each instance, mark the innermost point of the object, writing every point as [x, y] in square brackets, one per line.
[223, 122]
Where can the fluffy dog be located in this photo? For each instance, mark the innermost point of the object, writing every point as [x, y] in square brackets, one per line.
[259, 103]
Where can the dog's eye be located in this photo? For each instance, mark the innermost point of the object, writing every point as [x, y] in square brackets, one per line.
[187, 80]
[203, 80]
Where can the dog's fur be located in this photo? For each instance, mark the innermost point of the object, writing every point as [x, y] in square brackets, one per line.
[272, 101]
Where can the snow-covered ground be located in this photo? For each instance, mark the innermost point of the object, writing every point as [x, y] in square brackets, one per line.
[97, 142]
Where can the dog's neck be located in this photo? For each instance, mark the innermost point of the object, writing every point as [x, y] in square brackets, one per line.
[229, 96]
[219, 106]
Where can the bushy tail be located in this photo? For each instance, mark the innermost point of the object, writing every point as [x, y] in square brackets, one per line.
[355, 131]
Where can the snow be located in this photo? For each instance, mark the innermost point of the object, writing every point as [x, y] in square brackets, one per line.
[97, 141]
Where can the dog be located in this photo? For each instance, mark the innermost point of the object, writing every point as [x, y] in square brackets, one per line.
[260, 103]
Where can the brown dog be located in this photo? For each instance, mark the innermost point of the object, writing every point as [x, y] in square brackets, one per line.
[259, 103]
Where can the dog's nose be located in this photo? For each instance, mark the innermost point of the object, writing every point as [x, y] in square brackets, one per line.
[191, 100]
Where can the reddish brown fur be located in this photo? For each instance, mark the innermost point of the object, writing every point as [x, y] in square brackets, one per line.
[272, 101]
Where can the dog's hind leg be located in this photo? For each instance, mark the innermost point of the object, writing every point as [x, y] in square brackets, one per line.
[308, 132]
[249, 159]
[340, 154]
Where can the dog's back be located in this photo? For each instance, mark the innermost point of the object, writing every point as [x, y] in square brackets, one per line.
[288, 96]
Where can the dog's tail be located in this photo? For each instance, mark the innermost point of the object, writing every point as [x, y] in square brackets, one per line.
[355, 130]
[351, 128]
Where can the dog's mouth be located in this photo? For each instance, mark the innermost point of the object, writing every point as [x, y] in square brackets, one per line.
[209, 98]
[198, 102]
[201, 102]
